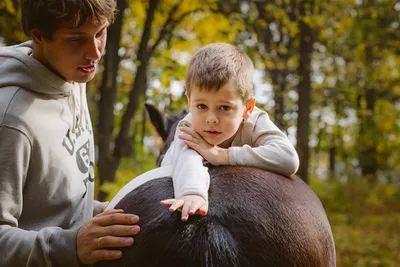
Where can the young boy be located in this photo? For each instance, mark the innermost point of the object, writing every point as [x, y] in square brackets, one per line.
[223, 127]
[46, 141]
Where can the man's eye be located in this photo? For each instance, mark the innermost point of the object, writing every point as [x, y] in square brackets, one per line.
[201, 106]
[101, 33]
[225, 108]
[75, 40]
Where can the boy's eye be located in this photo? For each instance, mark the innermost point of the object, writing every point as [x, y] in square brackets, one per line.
[225, 108]
[201, 106]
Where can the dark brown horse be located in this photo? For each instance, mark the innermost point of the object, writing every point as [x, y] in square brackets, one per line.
[256, 218]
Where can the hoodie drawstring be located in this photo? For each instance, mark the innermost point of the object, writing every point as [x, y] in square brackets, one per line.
[81, 106]
[73, 110]
[74, 126]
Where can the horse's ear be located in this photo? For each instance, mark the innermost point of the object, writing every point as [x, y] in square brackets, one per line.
[157, 119]
[184, 112]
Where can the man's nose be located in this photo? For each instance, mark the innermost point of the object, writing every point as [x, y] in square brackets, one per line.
[94, 50]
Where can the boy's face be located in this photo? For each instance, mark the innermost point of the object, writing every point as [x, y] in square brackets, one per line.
[72, 53]
[217, 115]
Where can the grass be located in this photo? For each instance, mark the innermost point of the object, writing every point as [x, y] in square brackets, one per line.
[365, 220]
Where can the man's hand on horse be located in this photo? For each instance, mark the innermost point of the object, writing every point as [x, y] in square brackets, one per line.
[188, 205]
[101, 237]
[213, 154]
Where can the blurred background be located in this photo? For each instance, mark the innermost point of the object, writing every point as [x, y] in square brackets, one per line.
[327, 72]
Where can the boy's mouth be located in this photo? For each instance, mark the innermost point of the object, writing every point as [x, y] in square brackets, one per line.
[213, 133]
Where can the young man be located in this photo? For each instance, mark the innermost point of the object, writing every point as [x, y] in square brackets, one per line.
[46, 141]
[223, 127]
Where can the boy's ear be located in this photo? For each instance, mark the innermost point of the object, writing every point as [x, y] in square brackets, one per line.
[249, 108]
[188, 101]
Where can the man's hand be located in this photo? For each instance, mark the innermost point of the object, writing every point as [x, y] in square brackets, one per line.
[189, 205]
[109, 229]
[213, 154]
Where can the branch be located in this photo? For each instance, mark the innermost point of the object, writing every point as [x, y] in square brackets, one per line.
[164, 29]
[169, 27]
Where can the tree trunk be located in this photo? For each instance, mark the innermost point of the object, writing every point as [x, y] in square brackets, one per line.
[108, 92]
[304, 89]
[124, 141]
[278, 82]
[367, 140]
[332, 158]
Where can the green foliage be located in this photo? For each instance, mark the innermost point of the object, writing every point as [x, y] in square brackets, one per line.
[128, 170]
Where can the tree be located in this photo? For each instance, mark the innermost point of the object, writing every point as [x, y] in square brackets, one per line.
[10, 25]
[113, 147]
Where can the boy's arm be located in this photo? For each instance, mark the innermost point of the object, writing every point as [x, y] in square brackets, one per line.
[270, 149]
[51, 246]
[190, 176]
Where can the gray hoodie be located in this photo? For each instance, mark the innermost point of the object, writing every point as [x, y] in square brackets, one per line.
[46, 162]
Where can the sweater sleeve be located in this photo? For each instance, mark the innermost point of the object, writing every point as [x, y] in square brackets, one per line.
[50, 246]
[98, 207]
[189, 175]
[269, 148]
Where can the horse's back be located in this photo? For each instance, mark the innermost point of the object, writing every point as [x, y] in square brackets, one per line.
[255, 218]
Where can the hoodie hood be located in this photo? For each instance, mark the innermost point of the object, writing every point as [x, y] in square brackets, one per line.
[24, 71]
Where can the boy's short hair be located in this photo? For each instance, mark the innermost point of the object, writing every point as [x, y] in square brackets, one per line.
[216, 64]
[48, 15]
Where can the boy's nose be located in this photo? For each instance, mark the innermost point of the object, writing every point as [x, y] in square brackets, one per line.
[211, 118]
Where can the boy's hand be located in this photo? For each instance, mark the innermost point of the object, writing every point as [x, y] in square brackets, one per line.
[213, 154]
[189, 205]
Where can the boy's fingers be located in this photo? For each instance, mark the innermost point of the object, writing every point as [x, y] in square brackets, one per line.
[190, 131]
[167, 202]
[203, 210]
[195, 206]
[185, 211]
[192, 145]
[176, 205]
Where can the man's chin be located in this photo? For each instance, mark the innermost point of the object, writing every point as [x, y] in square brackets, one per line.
[84, 79]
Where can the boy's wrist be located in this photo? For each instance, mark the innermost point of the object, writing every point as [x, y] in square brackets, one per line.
[223, 156]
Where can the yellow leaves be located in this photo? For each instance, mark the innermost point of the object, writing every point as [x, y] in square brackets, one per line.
[8, 6]
[280, 14]
[396, 89]
[138, 9]
[359, 51]
[386, 116]
[165, 79]
[215, 28]
[269, 64]
[374, 14]
[263, 24]
[314, 21]
[293, 28]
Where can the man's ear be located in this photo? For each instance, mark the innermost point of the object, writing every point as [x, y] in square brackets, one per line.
[36, 36]
[249, 108]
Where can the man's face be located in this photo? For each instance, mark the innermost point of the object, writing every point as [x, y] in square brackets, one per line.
[216, 115]
[72, 53]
